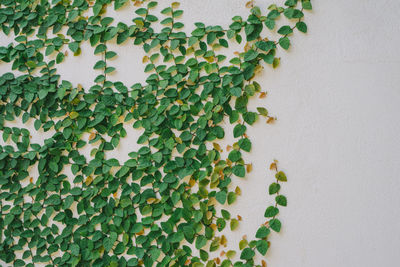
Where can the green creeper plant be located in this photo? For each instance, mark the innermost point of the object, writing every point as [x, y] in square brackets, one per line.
[162, 207]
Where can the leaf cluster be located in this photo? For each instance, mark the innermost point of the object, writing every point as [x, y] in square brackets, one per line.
[168, 194]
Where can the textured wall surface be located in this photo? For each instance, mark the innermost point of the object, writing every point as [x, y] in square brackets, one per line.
[336, 96]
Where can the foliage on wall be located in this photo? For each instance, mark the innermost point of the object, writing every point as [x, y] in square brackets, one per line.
[163, 206]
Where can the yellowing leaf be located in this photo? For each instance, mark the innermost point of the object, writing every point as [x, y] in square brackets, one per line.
[231, 254]
[88, 180]
[175, 4]
[74, 115]
[217, 147]
[223, 241]
[242, 244]
[209, 215]
[238, 191]
[151, 200]
[276, 62]
[234, 224]
[258, 69]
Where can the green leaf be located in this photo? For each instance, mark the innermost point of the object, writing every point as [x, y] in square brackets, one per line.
[262, 111]
[31, 64]
[225, 214]
[262, 232]
[125, 202]
[203, 255]
[275, 225]
[235, 155]
[42, 94]
[306, 5]
[239, 170]
[236, 91]
[247, 254]
[285, 30]
[301, 26]
[76, 191]
[201, 241]
[231, 197]
[61, 92]
[59, 58]
[107, 244]
[155, 253]
[119, 249]
[270, 23]
[101, 64]
[199, 32]
[265, 45]
[281, 200]
[284, 42]
[74, 249]
[221, 197]
[274, 188]
[137, 227]
[239, 130]
[250, 117]
[271, 211]
[74, 46]
[245, 144]
[8, 219]
[250, 55]
[262, 247]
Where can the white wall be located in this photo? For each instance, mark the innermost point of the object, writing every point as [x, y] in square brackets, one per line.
[336, 96]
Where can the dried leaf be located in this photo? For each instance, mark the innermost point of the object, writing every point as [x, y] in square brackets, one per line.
[250, 4]
[249, 167]
[92, 136]
[271, 120]
[273, 166]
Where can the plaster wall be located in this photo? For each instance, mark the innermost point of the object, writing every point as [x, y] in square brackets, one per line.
[336, 96]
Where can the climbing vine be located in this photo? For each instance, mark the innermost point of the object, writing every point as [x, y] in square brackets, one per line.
[164, 206]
